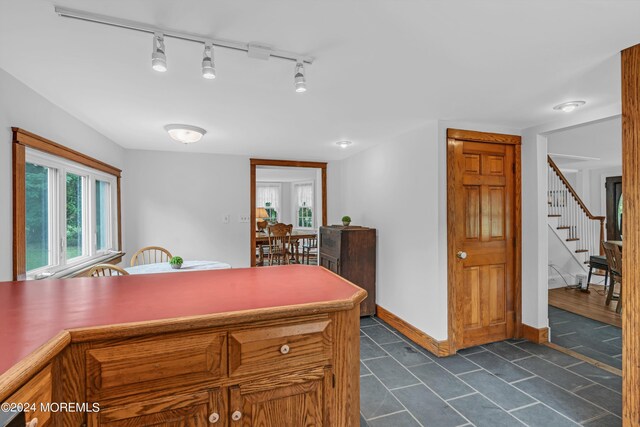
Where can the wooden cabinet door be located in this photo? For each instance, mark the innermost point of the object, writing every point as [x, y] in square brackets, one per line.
[189, 410]
[302, 402]
[330, 263]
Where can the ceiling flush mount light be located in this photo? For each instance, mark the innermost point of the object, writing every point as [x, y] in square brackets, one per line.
[208, 66]
[158, 58]
[186, 134]
[301, 83]
[343, 144]
[568, 107]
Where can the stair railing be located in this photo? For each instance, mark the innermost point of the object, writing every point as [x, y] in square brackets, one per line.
[584, 227]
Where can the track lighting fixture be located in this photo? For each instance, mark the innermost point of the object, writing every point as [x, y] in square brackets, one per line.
[158, 58]
[301, 83]
[254, 50]
[208, 66]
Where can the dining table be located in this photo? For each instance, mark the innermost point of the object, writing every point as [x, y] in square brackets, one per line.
[262, 239]
[165, 267]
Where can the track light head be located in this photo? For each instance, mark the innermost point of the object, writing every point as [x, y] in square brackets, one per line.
[158, 57]
[300, 82]
[208, 66]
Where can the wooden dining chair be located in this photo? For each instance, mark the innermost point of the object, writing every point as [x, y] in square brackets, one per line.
[613, 253]
[309, 249]
[107, 270]
[279, 243]
[150, 255]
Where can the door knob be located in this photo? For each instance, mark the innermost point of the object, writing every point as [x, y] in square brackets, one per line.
[461, 255]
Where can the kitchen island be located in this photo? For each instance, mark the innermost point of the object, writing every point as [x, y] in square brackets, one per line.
[274, 346]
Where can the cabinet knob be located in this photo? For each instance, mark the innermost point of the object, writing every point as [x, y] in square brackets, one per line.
[32, 423]
[214, 417]
[284, 349]
[236, 416]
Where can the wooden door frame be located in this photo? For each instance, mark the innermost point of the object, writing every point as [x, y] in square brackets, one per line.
[631, 260]
[455, 280]
[281, 163]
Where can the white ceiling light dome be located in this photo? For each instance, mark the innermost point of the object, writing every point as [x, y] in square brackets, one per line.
[185, 134]
[568, 107]
[344, 144]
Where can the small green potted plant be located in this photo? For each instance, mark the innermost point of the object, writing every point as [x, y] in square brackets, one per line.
[176, 262]
[346, 220]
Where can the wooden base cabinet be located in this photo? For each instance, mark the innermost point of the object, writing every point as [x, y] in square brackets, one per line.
[351, 253]
[295, 371]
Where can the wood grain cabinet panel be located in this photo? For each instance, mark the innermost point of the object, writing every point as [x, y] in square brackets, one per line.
[279, 347]
[188, 410]
[351, 253]
[146, 364]
[302, 403]
[35, 392]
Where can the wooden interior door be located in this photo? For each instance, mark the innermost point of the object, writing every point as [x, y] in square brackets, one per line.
[613, 186]
[483, 194]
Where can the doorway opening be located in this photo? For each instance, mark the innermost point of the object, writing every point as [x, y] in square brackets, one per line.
[285, 194]
[584, 215]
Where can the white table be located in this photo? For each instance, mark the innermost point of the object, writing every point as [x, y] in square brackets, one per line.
[165, 267]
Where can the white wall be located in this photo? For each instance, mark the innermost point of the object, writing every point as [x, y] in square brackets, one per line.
[394, 188]
[178, 201]
[22, 107]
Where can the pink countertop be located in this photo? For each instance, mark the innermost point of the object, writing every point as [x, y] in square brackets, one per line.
[33, 312]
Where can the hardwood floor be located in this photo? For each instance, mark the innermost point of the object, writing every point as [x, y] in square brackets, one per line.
[589, 305]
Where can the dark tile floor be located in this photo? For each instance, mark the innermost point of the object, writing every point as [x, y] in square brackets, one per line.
[510, 383]
[586, 336]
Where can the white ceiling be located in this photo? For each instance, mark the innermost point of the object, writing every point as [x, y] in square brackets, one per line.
[383, 67]
[601, 141]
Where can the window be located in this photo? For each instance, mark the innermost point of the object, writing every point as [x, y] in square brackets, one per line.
[66, 210]
[268, 197]
[69, 214]
[304, 194]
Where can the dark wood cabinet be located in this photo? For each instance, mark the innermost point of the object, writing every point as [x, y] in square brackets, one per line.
[351, 253]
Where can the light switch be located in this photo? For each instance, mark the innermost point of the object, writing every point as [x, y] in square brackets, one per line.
[226, 219]
[243, 218]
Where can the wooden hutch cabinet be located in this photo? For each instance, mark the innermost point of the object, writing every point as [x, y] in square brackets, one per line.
[351, 253]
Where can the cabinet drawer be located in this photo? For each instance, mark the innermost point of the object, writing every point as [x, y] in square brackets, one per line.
[33, 394]
[279, 347]
[146, 364]
[182, 410]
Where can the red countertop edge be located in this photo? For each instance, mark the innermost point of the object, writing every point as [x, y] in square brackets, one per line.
[23, 369]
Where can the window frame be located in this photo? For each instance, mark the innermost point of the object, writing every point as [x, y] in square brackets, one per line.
[296, 208]
[27, 147]
[278, 209]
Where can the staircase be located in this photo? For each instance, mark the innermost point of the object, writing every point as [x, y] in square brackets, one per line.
[581, 231]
